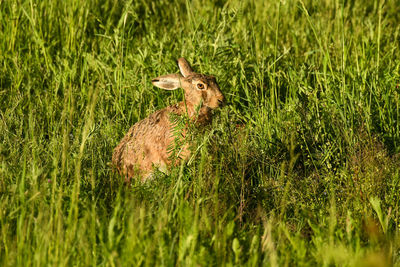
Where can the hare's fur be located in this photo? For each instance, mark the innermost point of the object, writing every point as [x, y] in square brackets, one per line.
[145, 145]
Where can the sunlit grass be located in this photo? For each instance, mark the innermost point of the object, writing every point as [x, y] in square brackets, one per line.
[300, 168]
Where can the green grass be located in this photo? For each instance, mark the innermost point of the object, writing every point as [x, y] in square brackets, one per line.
[301, 168]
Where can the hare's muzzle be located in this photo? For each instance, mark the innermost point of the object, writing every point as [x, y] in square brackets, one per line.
[221, 100]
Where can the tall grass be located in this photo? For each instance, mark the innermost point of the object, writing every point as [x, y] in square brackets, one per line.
[300, 168]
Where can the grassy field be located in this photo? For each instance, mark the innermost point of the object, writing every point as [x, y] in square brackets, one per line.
[300, 168]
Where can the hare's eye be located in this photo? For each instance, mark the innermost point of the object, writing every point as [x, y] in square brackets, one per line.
[200, 86]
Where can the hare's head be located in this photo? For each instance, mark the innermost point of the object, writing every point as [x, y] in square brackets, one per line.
[199, 89]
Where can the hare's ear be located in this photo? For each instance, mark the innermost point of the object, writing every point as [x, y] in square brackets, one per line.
[184, 67]
[168, 82]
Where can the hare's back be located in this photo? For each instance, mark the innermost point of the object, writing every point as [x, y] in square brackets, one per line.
[147, 138]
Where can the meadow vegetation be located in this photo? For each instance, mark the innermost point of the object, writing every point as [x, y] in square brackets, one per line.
[300, 168]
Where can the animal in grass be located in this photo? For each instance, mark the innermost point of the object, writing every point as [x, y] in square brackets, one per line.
[146, 143]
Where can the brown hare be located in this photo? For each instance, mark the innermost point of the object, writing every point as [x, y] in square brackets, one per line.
[146, 143]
